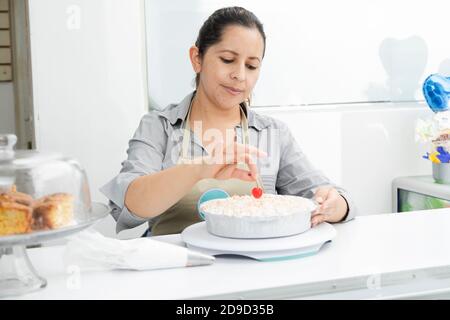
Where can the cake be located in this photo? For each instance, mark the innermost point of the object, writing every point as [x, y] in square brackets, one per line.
[266, 217]
[15, 218]
[20, 213]
[14, 196]
[53, 211]
[266, 206]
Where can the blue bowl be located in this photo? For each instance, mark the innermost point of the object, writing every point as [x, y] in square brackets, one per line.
[211, 194]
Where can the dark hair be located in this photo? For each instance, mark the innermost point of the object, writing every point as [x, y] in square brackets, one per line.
[212, 29]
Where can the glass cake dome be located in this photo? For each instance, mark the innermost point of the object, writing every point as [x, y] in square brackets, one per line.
[43, 196]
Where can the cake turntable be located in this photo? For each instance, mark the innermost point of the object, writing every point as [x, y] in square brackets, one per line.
[301, 245]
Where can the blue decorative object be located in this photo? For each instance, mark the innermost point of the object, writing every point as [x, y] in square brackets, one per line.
[436, 90]
[211, 194]
[444, 156]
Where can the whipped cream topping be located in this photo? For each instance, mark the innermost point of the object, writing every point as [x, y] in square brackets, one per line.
[267, 205]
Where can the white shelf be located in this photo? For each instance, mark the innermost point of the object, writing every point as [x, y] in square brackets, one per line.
[420, 184]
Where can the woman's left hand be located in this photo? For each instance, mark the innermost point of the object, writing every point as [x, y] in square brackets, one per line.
[332, 206]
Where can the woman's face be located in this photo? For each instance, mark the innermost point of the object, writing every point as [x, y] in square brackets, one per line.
[230, 68]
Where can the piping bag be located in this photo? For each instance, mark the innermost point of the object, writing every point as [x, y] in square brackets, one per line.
[90, 250]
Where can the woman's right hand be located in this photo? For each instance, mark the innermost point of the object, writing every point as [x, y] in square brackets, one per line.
[223, 162]
[150, 195]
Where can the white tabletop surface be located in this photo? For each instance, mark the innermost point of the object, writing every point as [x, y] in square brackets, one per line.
[376, 256]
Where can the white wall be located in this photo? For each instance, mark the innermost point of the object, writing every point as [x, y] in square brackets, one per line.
[321, 51]
[89, 82]
[7, 115]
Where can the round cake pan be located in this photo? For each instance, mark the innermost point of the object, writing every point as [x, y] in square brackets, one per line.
[257, 227]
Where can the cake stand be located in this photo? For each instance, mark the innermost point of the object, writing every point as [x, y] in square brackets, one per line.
[301, 245]
[17, 274]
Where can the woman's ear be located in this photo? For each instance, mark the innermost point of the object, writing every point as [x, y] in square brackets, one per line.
[196, 61]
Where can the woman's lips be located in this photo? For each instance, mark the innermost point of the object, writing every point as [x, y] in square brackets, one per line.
[233, 91]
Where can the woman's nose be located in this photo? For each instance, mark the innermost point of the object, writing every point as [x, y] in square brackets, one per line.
[238, 73]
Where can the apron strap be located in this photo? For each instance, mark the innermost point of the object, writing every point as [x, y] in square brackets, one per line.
[244, 123]
[186, 134]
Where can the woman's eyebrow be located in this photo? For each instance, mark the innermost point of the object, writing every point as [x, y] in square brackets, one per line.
[235, 53]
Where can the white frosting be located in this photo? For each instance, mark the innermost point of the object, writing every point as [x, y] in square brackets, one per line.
[267, 205]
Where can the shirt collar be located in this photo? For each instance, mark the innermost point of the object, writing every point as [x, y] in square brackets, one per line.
[177, 112]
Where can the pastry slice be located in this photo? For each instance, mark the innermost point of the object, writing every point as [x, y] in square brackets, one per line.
[15, 218]
[53, 211]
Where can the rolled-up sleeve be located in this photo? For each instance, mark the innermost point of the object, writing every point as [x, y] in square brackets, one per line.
[145, 155]
[298, 176]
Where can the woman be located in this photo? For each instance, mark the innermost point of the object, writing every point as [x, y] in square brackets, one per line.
[211, 139]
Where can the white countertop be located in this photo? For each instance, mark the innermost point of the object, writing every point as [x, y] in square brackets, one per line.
[377, 256]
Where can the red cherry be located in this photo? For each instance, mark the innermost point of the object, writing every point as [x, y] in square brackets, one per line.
[257, 192]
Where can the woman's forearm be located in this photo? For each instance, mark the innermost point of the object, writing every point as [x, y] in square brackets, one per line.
[149, 196]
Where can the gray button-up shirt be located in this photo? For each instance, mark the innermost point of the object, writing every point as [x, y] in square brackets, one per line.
[156, 146]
